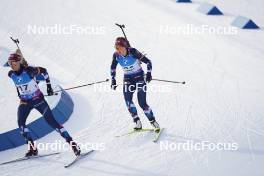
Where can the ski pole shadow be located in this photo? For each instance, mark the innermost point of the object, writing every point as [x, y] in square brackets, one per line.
[126, 170]
[131, 171]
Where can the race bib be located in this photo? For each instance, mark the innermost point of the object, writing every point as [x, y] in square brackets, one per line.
[28, 89]
[132, 68]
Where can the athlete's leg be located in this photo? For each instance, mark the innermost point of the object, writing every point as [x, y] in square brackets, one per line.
[42, 106]
[142, 99]
[22, 114]
[128, 91]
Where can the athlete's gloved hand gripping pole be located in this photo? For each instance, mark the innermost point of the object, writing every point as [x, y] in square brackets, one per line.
[49, 88]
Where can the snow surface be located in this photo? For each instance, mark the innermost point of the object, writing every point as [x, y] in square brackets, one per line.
[222, 101]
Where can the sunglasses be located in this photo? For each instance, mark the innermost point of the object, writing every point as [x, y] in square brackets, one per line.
[11, 62]
[118, 47]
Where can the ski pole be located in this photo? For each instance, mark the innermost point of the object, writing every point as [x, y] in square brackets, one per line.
[176, 82]
[122, 26]
[76, 87]
[16, 41]
[163, 80]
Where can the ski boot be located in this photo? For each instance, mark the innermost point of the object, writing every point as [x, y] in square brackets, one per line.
[32, 149]
[76, 149]
[156, 126]
[138, 124]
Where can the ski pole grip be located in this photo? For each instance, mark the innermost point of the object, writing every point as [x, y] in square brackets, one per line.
[120, 25]
[15, 40]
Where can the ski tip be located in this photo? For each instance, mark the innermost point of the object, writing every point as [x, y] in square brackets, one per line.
[78, 158]
[158, 135]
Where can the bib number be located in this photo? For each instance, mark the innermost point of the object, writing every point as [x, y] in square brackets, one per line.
[23, 88]
[128, 68]
[28, 89]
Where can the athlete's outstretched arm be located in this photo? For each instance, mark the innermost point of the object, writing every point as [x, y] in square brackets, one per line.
[113, 72]
[113, 67]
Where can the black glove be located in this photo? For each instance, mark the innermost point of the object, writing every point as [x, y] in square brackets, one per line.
[113, 84]
[49, 89]
[148, 77]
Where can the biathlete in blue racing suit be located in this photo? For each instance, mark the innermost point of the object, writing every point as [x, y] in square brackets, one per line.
[24, 78]
[130, 60]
